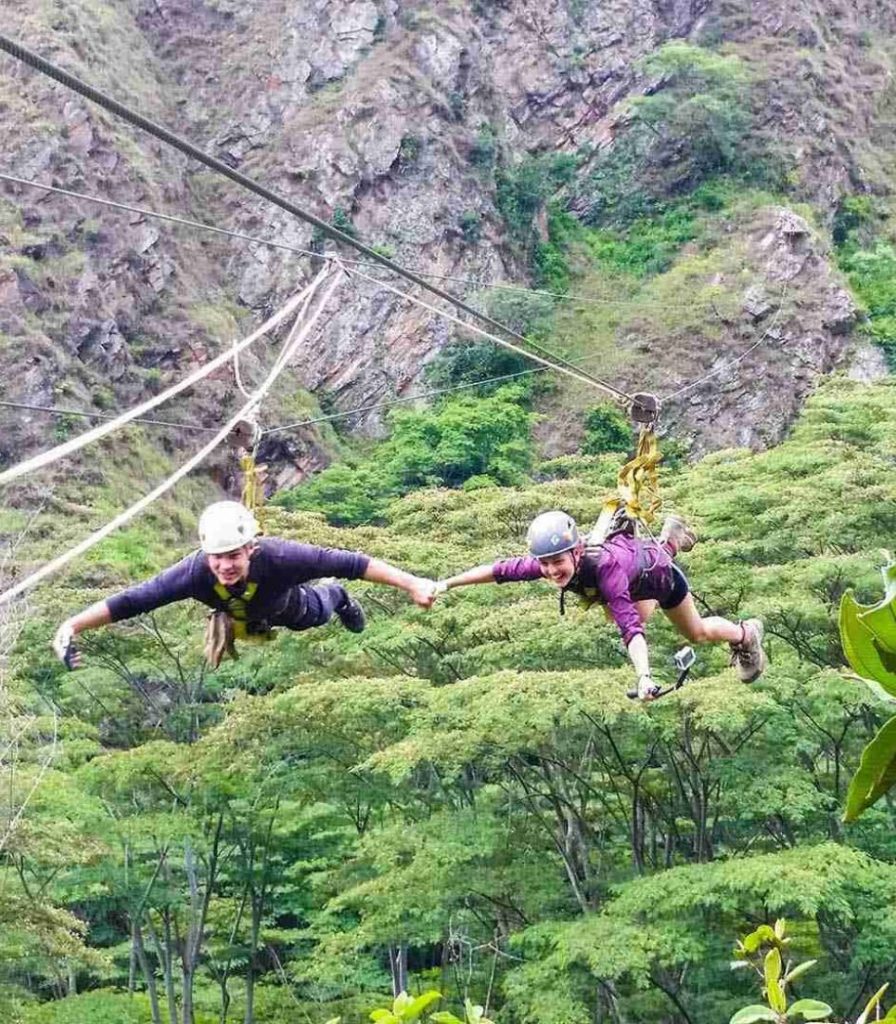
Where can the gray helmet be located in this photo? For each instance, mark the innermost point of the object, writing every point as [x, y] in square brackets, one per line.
[552, 533]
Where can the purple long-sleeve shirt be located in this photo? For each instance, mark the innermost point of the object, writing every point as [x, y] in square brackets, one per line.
[624, 570]
[277, 566]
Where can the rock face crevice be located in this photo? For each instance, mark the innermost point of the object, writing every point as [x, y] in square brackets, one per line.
[372, 114]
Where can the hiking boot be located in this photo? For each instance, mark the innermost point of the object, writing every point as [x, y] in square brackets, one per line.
[748, 656]
[677, 535]
[351, 615]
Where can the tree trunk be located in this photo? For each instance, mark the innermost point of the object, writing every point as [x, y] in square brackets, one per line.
[250, 993]
[139, 954]
[132, 965]
[398, 965]
[255, 930]
[187, 999]
[166, 960]
[192, 943]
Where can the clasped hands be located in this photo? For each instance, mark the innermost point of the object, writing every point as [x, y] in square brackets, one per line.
[424, 592]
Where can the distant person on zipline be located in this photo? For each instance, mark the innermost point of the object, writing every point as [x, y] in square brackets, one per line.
[631, 577]
[251, 583]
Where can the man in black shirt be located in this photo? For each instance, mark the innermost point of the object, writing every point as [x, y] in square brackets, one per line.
[253, 583]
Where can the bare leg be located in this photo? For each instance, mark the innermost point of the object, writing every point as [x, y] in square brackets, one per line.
[713, 629]
[646, 609]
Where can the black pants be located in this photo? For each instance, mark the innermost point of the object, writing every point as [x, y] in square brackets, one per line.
[311, 606]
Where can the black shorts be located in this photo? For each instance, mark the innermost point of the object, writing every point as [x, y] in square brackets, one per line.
[679, 591]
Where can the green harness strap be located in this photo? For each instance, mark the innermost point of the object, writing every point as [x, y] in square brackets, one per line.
[238, 609]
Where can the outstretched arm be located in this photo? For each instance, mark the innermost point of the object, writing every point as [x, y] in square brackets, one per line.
[64, 642]
[420, 590]
[173, 584]
[637, 652]
[626, 614]
[508, 570]
[479, 574]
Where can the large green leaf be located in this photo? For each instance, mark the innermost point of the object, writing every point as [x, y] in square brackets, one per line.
[880, 619]
[811, 1009]
[752, 1014]
[776, 998]
[871, 1005]
[864, 651]
[876, 772]
[800, 969]
[413, 1009]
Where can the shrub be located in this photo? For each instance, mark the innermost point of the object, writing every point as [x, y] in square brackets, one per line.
[606, 430]
[471, 226]
[872, 274]
[487, 439]
[523, 190]
[484, 150]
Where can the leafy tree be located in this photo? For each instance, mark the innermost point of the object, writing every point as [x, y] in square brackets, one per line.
[606, 430]
[465, 800]
[700, 112]
[464, 437]
[872, 273]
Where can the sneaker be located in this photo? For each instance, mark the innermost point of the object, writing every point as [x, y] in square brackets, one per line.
[677, 535]
[351, 615]
[748, 656]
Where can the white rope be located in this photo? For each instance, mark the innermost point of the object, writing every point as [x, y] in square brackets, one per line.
[187, 467]
[289, 346]
[73, 445]
[485, 334]
[286, 347]
[236, 371]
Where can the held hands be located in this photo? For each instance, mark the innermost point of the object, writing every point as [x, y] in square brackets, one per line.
[424, 592]
[64, 646]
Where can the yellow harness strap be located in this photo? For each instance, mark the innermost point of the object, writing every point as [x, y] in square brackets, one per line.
[637, 486]
[253, 487]
[238, 610]
[638, 481]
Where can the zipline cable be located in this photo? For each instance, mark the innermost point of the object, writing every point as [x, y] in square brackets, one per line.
[270, 243]
[398, 401]
[343, 414]
[123, 517]
[75, 443]
[567, 368]
[70, 81]
[101, 416]
[738, 359]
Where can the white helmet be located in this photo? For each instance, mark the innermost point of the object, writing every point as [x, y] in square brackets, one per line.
[225, 526]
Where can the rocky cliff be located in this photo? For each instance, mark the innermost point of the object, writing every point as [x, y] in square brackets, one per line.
[392, 119]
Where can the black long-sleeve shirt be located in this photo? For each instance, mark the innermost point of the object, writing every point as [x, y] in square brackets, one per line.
[276, 565]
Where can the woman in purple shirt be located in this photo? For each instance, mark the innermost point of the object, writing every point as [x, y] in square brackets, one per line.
[260, 583]
[631, 577]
